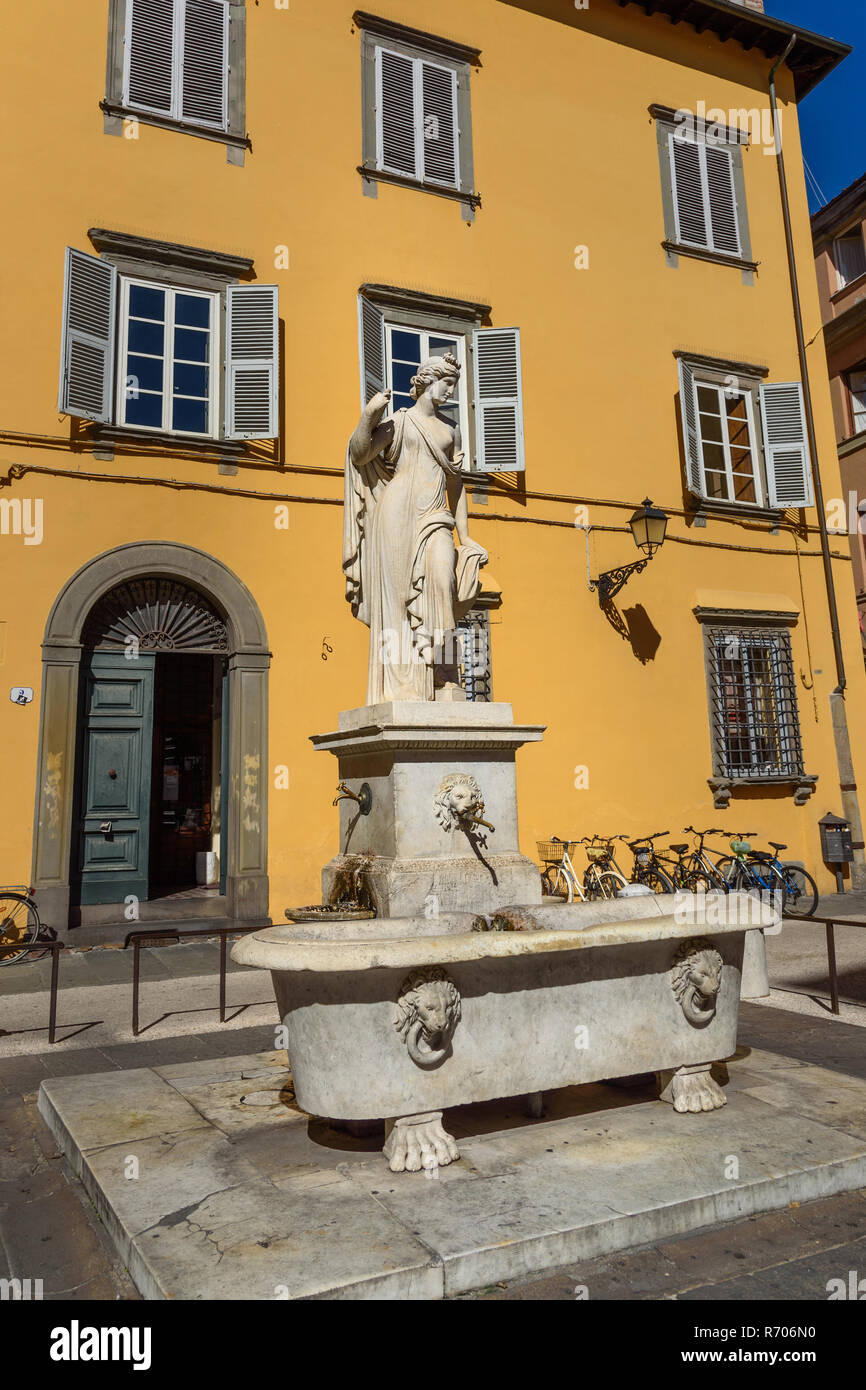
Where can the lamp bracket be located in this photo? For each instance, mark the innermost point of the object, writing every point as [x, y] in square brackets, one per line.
[610, 582]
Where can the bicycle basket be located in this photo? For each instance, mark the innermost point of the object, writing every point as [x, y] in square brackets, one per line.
[595, 853]
[551, 851]
[740, 846]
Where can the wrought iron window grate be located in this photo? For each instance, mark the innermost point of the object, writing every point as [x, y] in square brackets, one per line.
[473, 632]
[756, 724]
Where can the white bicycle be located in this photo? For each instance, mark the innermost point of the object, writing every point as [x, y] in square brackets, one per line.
[559, 878]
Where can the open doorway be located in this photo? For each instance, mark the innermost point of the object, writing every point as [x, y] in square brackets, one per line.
[186, 776]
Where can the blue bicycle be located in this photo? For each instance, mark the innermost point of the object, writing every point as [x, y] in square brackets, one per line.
[756, 871]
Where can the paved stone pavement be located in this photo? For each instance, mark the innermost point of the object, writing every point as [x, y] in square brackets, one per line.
[48, 1228]
[47, 1223]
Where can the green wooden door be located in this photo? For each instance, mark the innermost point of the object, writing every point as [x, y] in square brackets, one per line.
[116, 751]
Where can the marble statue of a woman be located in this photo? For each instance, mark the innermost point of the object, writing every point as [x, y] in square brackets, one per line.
[404, 498]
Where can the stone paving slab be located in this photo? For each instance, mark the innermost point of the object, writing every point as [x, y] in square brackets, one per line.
[238, 1194]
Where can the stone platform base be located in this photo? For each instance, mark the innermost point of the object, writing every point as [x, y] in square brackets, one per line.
[214, 1185]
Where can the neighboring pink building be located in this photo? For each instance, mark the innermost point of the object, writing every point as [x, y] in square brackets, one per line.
[839, 234]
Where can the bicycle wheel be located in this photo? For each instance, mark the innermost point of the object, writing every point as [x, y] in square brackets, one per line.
[656, 879]
[800, 891]
[19, 925]
[555, 883]
[605, 885]
[730, 871]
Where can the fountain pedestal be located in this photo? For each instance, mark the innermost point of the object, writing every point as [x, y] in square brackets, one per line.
[425, 858]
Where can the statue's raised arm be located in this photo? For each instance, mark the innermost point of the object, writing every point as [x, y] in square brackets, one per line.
[371, 436]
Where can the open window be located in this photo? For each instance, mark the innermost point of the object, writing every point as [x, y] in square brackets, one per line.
[147, 352]
[744, 439]
[397, 335]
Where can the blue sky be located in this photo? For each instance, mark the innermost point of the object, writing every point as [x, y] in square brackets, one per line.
[832, 116]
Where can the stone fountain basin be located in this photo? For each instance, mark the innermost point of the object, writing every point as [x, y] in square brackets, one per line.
[579, 993]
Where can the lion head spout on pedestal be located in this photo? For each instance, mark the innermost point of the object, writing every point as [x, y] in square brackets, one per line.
[696, 978]
[428, 1011]
[457, 800]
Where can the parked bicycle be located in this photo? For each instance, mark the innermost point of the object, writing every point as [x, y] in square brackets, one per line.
[19, 922]
[757, 871]
[560, 879]
[694, 871]
[648, 864]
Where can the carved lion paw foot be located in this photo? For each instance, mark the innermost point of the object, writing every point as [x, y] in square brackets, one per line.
[690, 1090]
[419, 1141]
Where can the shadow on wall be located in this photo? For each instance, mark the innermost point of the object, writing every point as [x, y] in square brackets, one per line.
[635, 626]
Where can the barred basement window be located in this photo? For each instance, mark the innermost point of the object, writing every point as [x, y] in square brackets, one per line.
[473, 634]
[755, 721]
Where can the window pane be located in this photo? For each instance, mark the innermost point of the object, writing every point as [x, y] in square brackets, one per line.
[717, 484]
[146, 302]
[711, 427]
[402, 402]
[439, 346]
[191, 346]
[744, 488]
[146, 337]
[189, 415]
[850, 257]
[401, 376]
[192, 311]
[708, 399]
[190, 381]
[146, 410]
[406, 346]
[147, 372]
[714, 457]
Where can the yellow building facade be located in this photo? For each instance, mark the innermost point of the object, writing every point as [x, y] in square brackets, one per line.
[438, 173]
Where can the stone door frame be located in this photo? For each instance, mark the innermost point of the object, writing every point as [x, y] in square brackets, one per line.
[248, 662]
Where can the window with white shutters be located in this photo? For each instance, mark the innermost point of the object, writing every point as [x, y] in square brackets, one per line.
[704, 194]
[744, 441]
[398, 330]
[162, 345]
[176, 60]
[416, 118]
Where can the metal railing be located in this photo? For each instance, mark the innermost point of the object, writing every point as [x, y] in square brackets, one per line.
[144, 937]
[830, 923]
[55, 947]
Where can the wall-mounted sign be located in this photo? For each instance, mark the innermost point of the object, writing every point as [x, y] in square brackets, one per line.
[21, 694]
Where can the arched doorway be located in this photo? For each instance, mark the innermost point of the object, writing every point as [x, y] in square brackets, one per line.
[153, 744]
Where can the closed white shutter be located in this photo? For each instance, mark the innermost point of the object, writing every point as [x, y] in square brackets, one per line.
[149, 55]
[252, 362]
[439, 93]
[705, 201]
[789, 475]
[87, 343]
[691, 222]
[395, 114]
[371, 349]
[498, 400]
[722, 199]
[691, 438]
[205, 62]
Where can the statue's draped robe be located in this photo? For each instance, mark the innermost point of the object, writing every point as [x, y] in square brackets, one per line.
[404, 576]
